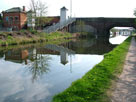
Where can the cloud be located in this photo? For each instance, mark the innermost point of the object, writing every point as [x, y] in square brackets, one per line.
[82, 8]
[16, 84]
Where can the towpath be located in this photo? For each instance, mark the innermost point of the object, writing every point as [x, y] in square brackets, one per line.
[125, 90]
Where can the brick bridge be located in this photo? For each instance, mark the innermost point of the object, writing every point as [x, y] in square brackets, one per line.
[101, 26]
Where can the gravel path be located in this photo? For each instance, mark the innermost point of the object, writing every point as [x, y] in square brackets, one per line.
[125, 90]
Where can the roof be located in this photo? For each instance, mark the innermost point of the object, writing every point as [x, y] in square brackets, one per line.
[64, 63]
[64, 8]
[14, 9]
[52, 16]
[30, 11]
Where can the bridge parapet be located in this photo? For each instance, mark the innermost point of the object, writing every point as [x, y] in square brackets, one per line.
[102, 19]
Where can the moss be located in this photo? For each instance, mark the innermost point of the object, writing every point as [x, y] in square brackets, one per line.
[93, 86]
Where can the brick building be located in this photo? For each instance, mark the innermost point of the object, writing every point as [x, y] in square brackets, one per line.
[14, 18]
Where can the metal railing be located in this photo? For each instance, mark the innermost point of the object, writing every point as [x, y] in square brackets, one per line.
[59, 25]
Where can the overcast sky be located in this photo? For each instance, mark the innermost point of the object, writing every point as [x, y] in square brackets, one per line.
[82, 8]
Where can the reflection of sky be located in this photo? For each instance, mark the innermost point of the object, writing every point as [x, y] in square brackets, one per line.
[17, 86]
[118, 39]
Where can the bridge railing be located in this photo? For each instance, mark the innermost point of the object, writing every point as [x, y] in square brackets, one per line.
[59, 25]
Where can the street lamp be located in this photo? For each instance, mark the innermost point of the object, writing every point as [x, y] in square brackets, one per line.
[71, 8]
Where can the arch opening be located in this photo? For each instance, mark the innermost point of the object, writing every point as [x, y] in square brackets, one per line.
[119, 34]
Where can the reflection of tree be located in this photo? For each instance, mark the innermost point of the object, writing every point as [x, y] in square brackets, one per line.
[81, 25]
[39, 65]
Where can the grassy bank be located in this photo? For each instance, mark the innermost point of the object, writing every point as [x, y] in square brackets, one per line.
[25, 37]
[34, 45]
[93, 86]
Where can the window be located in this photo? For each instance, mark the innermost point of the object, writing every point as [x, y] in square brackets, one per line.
[16, 18]
[11, 20]
[7, 18]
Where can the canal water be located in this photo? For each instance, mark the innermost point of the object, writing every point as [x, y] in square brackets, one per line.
[37, 73]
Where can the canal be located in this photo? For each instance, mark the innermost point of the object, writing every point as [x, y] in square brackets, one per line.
[37, 73]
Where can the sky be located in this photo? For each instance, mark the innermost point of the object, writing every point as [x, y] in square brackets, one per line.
[81, 8]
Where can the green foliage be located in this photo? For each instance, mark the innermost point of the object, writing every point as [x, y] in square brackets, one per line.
[10, 38]
[113, 30]
[33, 31]
[57, 35]
[22, 31]
[1, 21]
[41, 21]
[81, 25]
[38, 37]
[92, 87]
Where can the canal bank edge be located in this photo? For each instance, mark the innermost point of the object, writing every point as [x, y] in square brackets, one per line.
[25, 37]
[94, 85]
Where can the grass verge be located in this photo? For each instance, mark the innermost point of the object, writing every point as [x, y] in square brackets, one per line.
[25, 37]
[93, 86]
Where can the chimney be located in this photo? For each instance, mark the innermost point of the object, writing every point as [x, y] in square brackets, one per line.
[23, 8]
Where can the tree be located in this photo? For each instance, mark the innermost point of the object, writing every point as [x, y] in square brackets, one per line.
[0, 19]
[81, 25]
[40, 10]
[135, 12]
[39, 65]
[41, 21]
[135, 15]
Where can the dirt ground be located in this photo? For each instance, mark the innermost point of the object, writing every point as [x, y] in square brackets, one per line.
[125, 90]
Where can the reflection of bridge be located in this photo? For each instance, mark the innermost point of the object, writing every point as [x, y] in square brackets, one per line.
[63, 52]
[91, 46]
[59, 49]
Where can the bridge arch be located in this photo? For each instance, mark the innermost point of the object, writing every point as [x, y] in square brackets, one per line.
[103, 25]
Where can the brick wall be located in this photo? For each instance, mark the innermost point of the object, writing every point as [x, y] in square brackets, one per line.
[23, 19]
[18, 21]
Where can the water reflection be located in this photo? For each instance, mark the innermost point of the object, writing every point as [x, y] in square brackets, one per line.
[38, 59]
[63, 52]
[16, 56]
[52, 68]
[39, 65]
[90, 46]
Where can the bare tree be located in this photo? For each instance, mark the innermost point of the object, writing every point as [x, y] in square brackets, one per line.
[40, 10]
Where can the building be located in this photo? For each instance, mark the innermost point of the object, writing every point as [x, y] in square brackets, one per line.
[15, 18]
[30, 19]
[17, 56]
[64, 57]
[63, 14]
